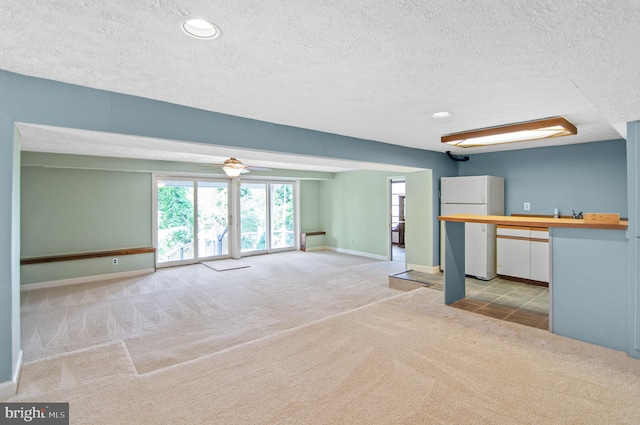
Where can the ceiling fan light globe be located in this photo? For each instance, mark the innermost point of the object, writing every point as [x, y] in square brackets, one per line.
[233, 171]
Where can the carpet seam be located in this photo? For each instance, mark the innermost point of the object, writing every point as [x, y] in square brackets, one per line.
[280, 333]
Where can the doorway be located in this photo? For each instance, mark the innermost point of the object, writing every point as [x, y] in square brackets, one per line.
[398, 208]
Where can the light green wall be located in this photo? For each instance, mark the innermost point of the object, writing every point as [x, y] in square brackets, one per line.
[66, 211]
[310, 217]
[70, 211]
[355, 211]
[74, 203]
[419, 232]
[47, 272]
[310, 206]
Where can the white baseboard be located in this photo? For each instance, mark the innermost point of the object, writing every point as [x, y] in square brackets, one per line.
[424, 269]
[10, 388]
[359, 253]
[84, 279]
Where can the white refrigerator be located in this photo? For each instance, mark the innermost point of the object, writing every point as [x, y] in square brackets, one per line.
[481, 195]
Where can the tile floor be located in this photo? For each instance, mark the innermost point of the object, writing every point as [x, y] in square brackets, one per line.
[499, 298]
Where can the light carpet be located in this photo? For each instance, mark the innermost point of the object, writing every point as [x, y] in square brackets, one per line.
[226, 265]
[182, 313]
[408, 359]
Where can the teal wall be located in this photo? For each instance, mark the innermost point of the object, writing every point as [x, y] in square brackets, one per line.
[589, 177]
[595, 290]
[633, 254]
[11, 330]
[590, 296]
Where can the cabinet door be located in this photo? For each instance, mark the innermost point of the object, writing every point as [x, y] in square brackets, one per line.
[513, 251]
[540, 261]
[513, 257]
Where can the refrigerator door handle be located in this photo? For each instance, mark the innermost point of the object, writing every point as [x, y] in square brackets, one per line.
[484, 227]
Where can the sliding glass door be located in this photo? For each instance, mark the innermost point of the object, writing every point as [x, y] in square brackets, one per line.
[267, 217]
[191, 220]
[175, 221]
[281, 216]
[213, 212]
[253, 217]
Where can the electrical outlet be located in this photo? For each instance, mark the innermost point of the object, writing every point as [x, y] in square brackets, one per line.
[527, 206]
[114, 262]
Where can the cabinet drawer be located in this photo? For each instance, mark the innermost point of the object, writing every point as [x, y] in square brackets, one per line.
[540, 233]
[521, 232]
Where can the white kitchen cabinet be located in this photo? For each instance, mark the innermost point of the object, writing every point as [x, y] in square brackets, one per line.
[540, 261]
[523, 252]
[513, 257]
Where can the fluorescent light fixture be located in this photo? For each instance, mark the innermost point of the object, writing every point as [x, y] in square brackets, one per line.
[512, 133]
[441, 114]
[199, 28]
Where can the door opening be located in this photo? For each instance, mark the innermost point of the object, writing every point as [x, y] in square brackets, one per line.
[398, 208]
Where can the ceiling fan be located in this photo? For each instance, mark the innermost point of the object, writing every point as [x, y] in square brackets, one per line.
[234, 167]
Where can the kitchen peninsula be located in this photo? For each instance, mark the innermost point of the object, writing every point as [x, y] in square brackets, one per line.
[587, 301]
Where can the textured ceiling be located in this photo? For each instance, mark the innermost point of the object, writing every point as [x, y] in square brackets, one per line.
[368, 69]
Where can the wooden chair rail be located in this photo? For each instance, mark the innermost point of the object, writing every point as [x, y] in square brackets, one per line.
[86, 255]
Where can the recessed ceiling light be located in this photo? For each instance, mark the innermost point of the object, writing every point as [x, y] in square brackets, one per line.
[441, 114]
[199, 28]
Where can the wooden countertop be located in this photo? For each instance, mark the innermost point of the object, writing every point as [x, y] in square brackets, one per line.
[532, 221]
